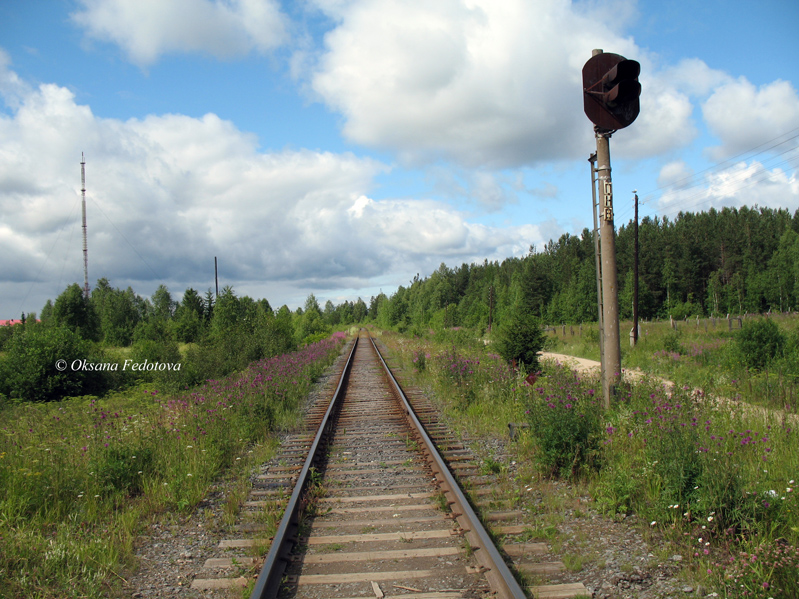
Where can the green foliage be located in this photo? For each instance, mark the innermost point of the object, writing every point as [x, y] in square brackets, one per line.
[47, 311]
[520, 338]
[682, 310]
[80, 477]
[188, 325]
[153, 329]
[759, 342]
[716, 477]
[671, 342]
[118, 312]
[618, 488]
[164, 359]
[6, 332]
[311, 326]
[776, 563]
[460, 337]
[314, 338]
[226, 311]
[123, 469]
[28, 371]
[163, 304]
[73, 311]
[566, 421]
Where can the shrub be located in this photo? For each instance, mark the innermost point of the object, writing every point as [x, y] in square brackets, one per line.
[29, 371]
[566, 421]
[759, 342]
[154, 352]
[682, 310]
[671, 342]
[520, 339]
[6, 332]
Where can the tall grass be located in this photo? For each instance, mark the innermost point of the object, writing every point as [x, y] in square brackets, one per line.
[717, 477]
[77, 476]
[704, 353]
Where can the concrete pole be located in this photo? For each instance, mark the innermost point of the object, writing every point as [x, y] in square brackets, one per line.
[597, 256]
[635, 275]
[610, 289]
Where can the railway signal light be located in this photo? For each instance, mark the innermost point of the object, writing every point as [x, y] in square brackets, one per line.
[611, 91]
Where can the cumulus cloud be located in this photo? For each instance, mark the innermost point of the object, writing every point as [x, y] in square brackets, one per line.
[12, 88]
[485, 83]
[664, 123]
[743, 184]
[147, 29]
[676, 174]
[694, 77]
[744, 116]
[168, 193]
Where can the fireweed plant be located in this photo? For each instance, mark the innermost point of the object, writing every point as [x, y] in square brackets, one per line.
[77, 476]
[716, 477]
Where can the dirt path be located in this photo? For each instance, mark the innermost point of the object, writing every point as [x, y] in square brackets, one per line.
[579, 364]
[593, 367]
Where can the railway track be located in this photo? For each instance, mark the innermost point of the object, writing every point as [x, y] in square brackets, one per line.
[371, 508]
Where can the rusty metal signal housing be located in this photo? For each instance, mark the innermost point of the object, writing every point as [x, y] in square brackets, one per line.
[611, 91]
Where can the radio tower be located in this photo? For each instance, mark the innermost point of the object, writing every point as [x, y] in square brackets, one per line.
[85, 244]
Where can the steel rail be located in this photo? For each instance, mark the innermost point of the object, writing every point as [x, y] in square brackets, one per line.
[268, 582]
[497, 572]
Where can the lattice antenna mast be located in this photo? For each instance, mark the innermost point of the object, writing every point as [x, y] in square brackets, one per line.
[85, 243]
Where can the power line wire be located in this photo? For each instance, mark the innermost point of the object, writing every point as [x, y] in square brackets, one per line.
[121, 234]
[47, 258]
[720, 168]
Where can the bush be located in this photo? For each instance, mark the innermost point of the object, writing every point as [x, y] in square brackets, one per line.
[6, 332]
[29, 371]
[567, 425]
[682, 310]
[759, 342]
[671, 342]
[155, 352]
[520, 339]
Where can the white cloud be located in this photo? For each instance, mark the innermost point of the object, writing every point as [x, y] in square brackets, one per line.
[12, 88]
[744, 116]
[484, 83]
[694, 77]
[166, 194]
[492, 84]
[664, 123]
[743, 184]
[489, 191]
[676, 173]
[147, 29]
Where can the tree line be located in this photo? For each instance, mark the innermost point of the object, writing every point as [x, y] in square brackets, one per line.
[208, 336]
[734, 260]
[709, 263]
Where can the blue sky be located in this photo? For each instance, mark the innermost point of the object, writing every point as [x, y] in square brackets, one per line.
[340, 147]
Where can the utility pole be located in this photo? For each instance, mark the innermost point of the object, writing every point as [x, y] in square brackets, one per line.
[635, 274]
[610, 101]
[597, 257]
[610, 288]
[216, 278]
[85, 241]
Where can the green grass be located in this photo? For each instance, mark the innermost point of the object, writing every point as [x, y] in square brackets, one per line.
[716, 478]
[701, 354]
[80, 476]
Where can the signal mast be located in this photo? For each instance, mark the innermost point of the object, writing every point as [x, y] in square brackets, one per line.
[85, 244]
